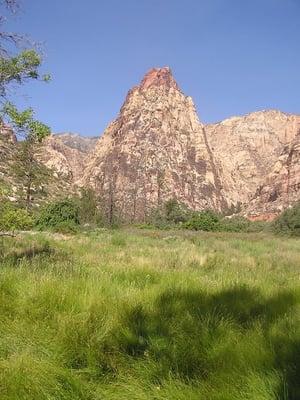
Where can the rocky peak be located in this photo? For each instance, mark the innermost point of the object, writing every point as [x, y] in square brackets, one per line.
[155, 150]
[161, 77]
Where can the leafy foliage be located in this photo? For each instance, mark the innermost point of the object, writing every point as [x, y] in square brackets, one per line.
[170, 214]
[13, 218]
[60, 216]
[203, 221]
[289, 221]
[19, 69]
[26, 165]
[89, 207]
[25, 124]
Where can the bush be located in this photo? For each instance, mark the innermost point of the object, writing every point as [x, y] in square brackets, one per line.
[288, 222]
[169, 214]
[235, 224]
[60, 216]
[89, 212]
[12, 218]
[203, 221]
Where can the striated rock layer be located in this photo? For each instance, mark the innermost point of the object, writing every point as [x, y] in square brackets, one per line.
[155, 150]
[247, 148]
[281, 188]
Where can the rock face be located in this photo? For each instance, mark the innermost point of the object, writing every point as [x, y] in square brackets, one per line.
[247, 148]
[155, 150]
[66, 155]
[281, 188]
[7, 141]
[7, 145]
[84, 144]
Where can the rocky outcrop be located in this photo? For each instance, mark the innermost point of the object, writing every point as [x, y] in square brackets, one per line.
[155, 150]
[66, 155]
[7, 142]
[84, 144]
[281, 188]
[246, 149]
[7, 147]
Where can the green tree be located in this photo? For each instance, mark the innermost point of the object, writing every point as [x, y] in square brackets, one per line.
[16, 68]
[26, 165]
[289, 221]
[18, 63]
[89, 209]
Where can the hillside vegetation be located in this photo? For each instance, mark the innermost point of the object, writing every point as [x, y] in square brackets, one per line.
[148, 314]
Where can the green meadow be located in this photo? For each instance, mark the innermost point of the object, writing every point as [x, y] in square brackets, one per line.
[149, 314]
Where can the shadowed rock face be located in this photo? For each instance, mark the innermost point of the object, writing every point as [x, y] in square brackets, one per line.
[155, 150]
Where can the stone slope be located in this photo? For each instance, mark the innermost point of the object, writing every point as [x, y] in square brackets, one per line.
[246, 149]
[84, 144]
[281, 188]
[155, 150]
[66, 155]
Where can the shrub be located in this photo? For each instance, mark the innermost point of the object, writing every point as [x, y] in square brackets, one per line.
[60, 216]
[289, 221]
[89, 212]
[12, 218]
[235, 224]
[203, 221]
[169, 214]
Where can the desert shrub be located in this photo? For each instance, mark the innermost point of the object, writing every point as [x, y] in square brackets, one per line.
[170, 214]
[234, 224]
[175, 212]
[13, 218]
[59, 216]
[203, 221]
[288, 222]
[241, 224]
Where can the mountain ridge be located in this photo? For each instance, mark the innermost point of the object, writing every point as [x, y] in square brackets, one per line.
[157, 149]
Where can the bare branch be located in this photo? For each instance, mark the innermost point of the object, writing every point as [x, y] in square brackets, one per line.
[12, 5]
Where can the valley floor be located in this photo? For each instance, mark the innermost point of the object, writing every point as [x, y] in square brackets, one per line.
[142, 314]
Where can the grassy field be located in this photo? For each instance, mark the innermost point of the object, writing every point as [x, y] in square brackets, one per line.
[141, 315]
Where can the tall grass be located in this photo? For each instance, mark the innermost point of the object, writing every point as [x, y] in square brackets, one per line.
[150, 315]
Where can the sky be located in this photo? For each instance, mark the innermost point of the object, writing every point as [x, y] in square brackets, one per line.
[231, 56]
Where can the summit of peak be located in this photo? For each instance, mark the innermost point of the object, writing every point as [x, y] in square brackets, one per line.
[159, 77]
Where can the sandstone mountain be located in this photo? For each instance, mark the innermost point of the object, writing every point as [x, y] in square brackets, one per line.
[246, 150]
[281, 188]
[157, 149]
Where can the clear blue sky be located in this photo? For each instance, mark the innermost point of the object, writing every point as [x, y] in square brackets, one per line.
[231, 56]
